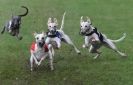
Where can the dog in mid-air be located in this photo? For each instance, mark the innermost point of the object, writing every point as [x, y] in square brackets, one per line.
[40, 51]
[57, 35]
[13, 25]
[94, 39]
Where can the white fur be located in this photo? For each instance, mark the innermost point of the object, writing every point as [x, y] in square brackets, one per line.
[38, 55]
[52, 25]
[93, 41]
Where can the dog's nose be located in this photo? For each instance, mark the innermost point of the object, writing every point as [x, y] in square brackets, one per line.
[40, 43]
[52, 31]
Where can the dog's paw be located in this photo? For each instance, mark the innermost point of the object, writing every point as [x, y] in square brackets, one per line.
[31, 69]
[124, 55]
[2, 32]
[79, 52]
[83, 46]
[39, 64]
[20, 38]
[97, 56]
[52, 68]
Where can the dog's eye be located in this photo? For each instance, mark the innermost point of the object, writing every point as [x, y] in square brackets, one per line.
[80, 26]
[49, 26]
[54, 26]
[42, 38]
[85, 25]
[37, 38]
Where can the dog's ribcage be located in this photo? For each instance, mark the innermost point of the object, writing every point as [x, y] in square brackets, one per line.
[99, 34]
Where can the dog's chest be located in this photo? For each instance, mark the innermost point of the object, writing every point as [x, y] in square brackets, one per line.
[39, 52]
[93, 37]
[94, 41]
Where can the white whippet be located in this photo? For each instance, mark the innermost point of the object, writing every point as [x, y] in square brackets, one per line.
[58, 35]
[39, 51]
[95, 39]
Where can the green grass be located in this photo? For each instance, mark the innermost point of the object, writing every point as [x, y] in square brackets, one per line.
[112, 17]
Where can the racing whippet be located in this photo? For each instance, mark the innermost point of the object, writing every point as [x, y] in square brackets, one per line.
[39, 51]
[58, 35]
[95, 39]
[13, 25]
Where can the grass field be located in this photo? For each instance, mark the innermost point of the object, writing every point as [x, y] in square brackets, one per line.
[112, 17]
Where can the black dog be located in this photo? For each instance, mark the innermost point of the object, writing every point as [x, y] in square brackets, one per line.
[13, 25]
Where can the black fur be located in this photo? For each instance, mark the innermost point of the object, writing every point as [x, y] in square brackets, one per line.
[15, 24]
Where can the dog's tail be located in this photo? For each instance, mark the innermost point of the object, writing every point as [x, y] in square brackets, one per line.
[22, 15]
[62, 23]
[120, 39]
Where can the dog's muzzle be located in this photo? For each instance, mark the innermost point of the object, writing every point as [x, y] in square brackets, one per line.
[41, 44]
[82, 33]
[52, 31]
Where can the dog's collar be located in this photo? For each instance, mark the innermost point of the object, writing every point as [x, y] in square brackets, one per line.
[89, 34]
[51, 36]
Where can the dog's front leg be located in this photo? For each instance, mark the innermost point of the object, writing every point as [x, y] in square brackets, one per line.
[31, 63]
[58, 41]
[50, 47]
[86, 44]
[51, 60]
[3, 30]
[39, 63]
[17, 34]
[34, 58]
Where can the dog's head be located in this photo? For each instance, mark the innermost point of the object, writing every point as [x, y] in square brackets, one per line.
[85, 26]
[40, 38]
[52, 24]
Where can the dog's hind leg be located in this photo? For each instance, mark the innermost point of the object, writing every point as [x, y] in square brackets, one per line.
[31, 63]
[94, 50]
[69, 41]
[17, 35]
[112, 46]
[3, 30]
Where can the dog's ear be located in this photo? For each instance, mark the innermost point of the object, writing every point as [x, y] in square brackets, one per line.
[81, 19]
[55, 20]
[35, 33]
[49, 20]
[43, 33]
[88, 19]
